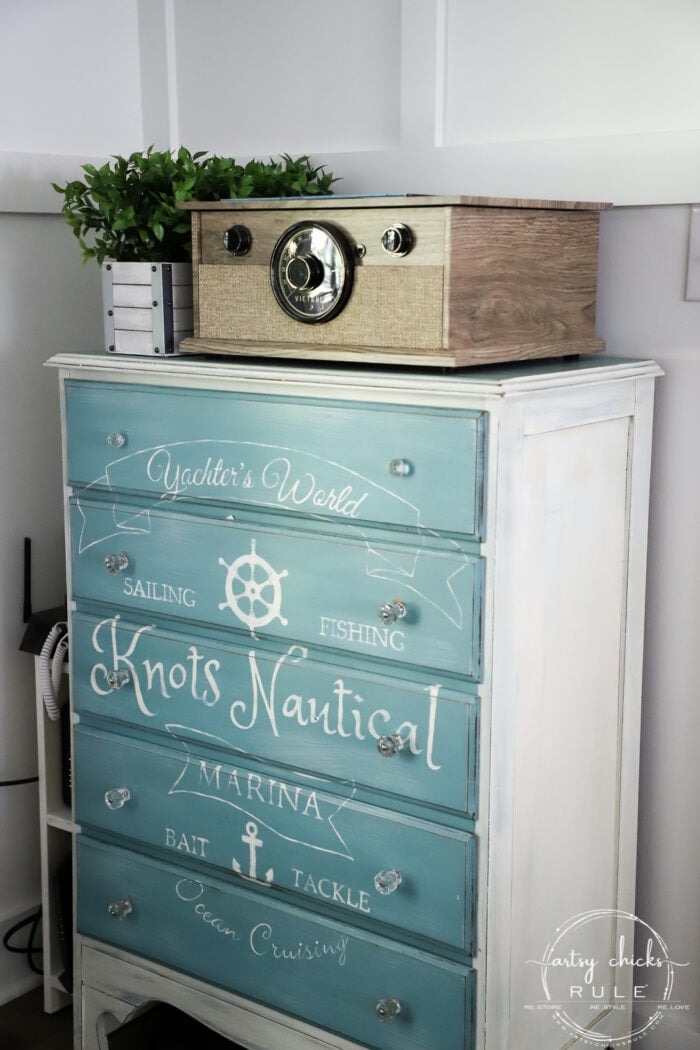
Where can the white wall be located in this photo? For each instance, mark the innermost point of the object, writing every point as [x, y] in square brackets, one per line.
[72, 68]
[642, 311]
[43, 295]
[49, 302]
[593, 101]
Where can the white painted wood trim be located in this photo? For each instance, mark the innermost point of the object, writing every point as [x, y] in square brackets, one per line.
[512, 422]
[625, 170]
[639, 484]
[346, 383]
[50, 773]
[502, 527]
[422, 84]
[25, 180]
[114, 976]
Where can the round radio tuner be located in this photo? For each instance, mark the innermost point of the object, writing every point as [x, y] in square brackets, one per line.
[311, 271]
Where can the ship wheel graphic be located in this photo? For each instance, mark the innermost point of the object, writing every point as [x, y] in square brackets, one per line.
[253, 591]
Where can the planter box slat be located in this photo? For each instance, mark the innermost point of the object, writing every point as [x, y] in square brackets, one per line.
[147, 307]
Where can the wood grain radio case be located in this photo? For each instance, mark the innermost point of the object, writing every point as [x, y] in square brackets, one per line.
[428, 281]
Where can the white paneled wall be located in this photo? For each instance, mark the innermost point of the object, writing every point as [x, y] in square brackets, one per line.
[47, 303]
[547, 99]
[592, 101]
[642, 311]
[69, 76]
[581, 69]
[299, 77]
[70, 88]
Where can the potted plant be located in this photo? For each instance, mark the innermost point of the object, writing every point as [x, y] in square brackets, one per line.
[125, 216]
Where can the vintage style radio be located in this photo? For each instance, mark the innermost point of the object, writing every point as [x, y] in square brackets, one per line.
[441, 281]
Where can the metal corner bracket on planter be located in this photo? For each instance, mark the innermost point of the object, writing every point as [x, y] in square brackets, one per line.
[147, 307]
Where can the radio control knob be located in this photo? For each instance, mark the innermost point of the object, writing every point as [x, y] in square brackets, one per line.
[397, 239]
[237, 240]
[304, 272]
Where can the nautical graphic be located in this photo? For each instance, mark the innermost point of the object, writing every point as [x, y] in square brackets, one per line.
[253, 591]
[302, 811]
[254, 843]
[268, 475]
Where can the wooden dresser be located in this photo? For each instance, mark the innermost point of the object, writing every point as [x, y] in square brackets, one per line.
[355, 671]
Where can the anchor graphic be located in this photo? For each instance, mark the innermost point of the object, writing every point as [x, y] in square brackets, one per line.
[253, 842]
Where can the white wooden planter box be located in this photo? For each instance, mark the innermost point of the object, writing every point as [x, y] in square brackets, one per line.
[147, 307]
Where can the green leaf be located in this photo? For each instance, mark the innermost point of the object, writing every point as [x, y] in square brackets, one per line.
[126, 209]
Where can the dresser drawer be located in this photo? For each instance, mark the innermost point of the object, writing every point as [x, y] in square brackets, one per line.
[294, 585]
[301, 834]
[323, 971]
[284, 707]
[403, 466]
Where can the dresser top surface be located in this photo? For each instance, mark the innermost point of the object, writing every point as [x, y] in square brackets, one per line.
[500, 381]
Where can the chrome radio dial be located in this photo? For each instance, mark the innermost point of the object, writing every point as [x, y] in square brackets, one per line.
[311, 271]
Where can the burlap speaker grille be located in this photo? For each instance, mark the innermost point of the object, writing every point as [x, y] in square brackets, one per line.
[388, 307]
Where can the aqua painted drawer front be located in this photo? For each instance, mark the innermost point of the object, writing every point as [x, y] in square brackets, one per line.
[293, 585]
[323, 971]
[287, 708]
[303, 834]
[404, 466]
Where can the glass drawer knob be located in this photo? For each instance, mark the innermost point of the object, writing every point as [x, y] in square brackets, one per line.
[387, 746]
[388, 1009]
[392, 611]
[117, 439]
[115, 798]
[386, 882]
[117, 679]
[400, 468]
[115, 563]
[120, 909]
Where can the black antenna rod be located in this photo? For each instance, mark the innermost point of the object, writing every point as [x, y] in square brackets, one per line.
[27, 601]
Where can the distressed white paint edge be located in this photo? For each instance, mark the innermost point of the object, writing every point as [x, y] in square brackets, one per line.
[115, 974]
[519, 417]
[74, 717]
[492, 473]
[500, 788]
[631, 671]
[400, 388]
[496, 779]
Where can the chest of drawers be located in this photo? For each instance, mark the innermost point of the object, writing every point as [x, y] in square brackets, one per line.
[356, 666]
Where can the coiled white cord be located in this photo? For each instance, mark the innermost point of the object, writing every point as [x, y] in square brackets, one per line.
[53, 653]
